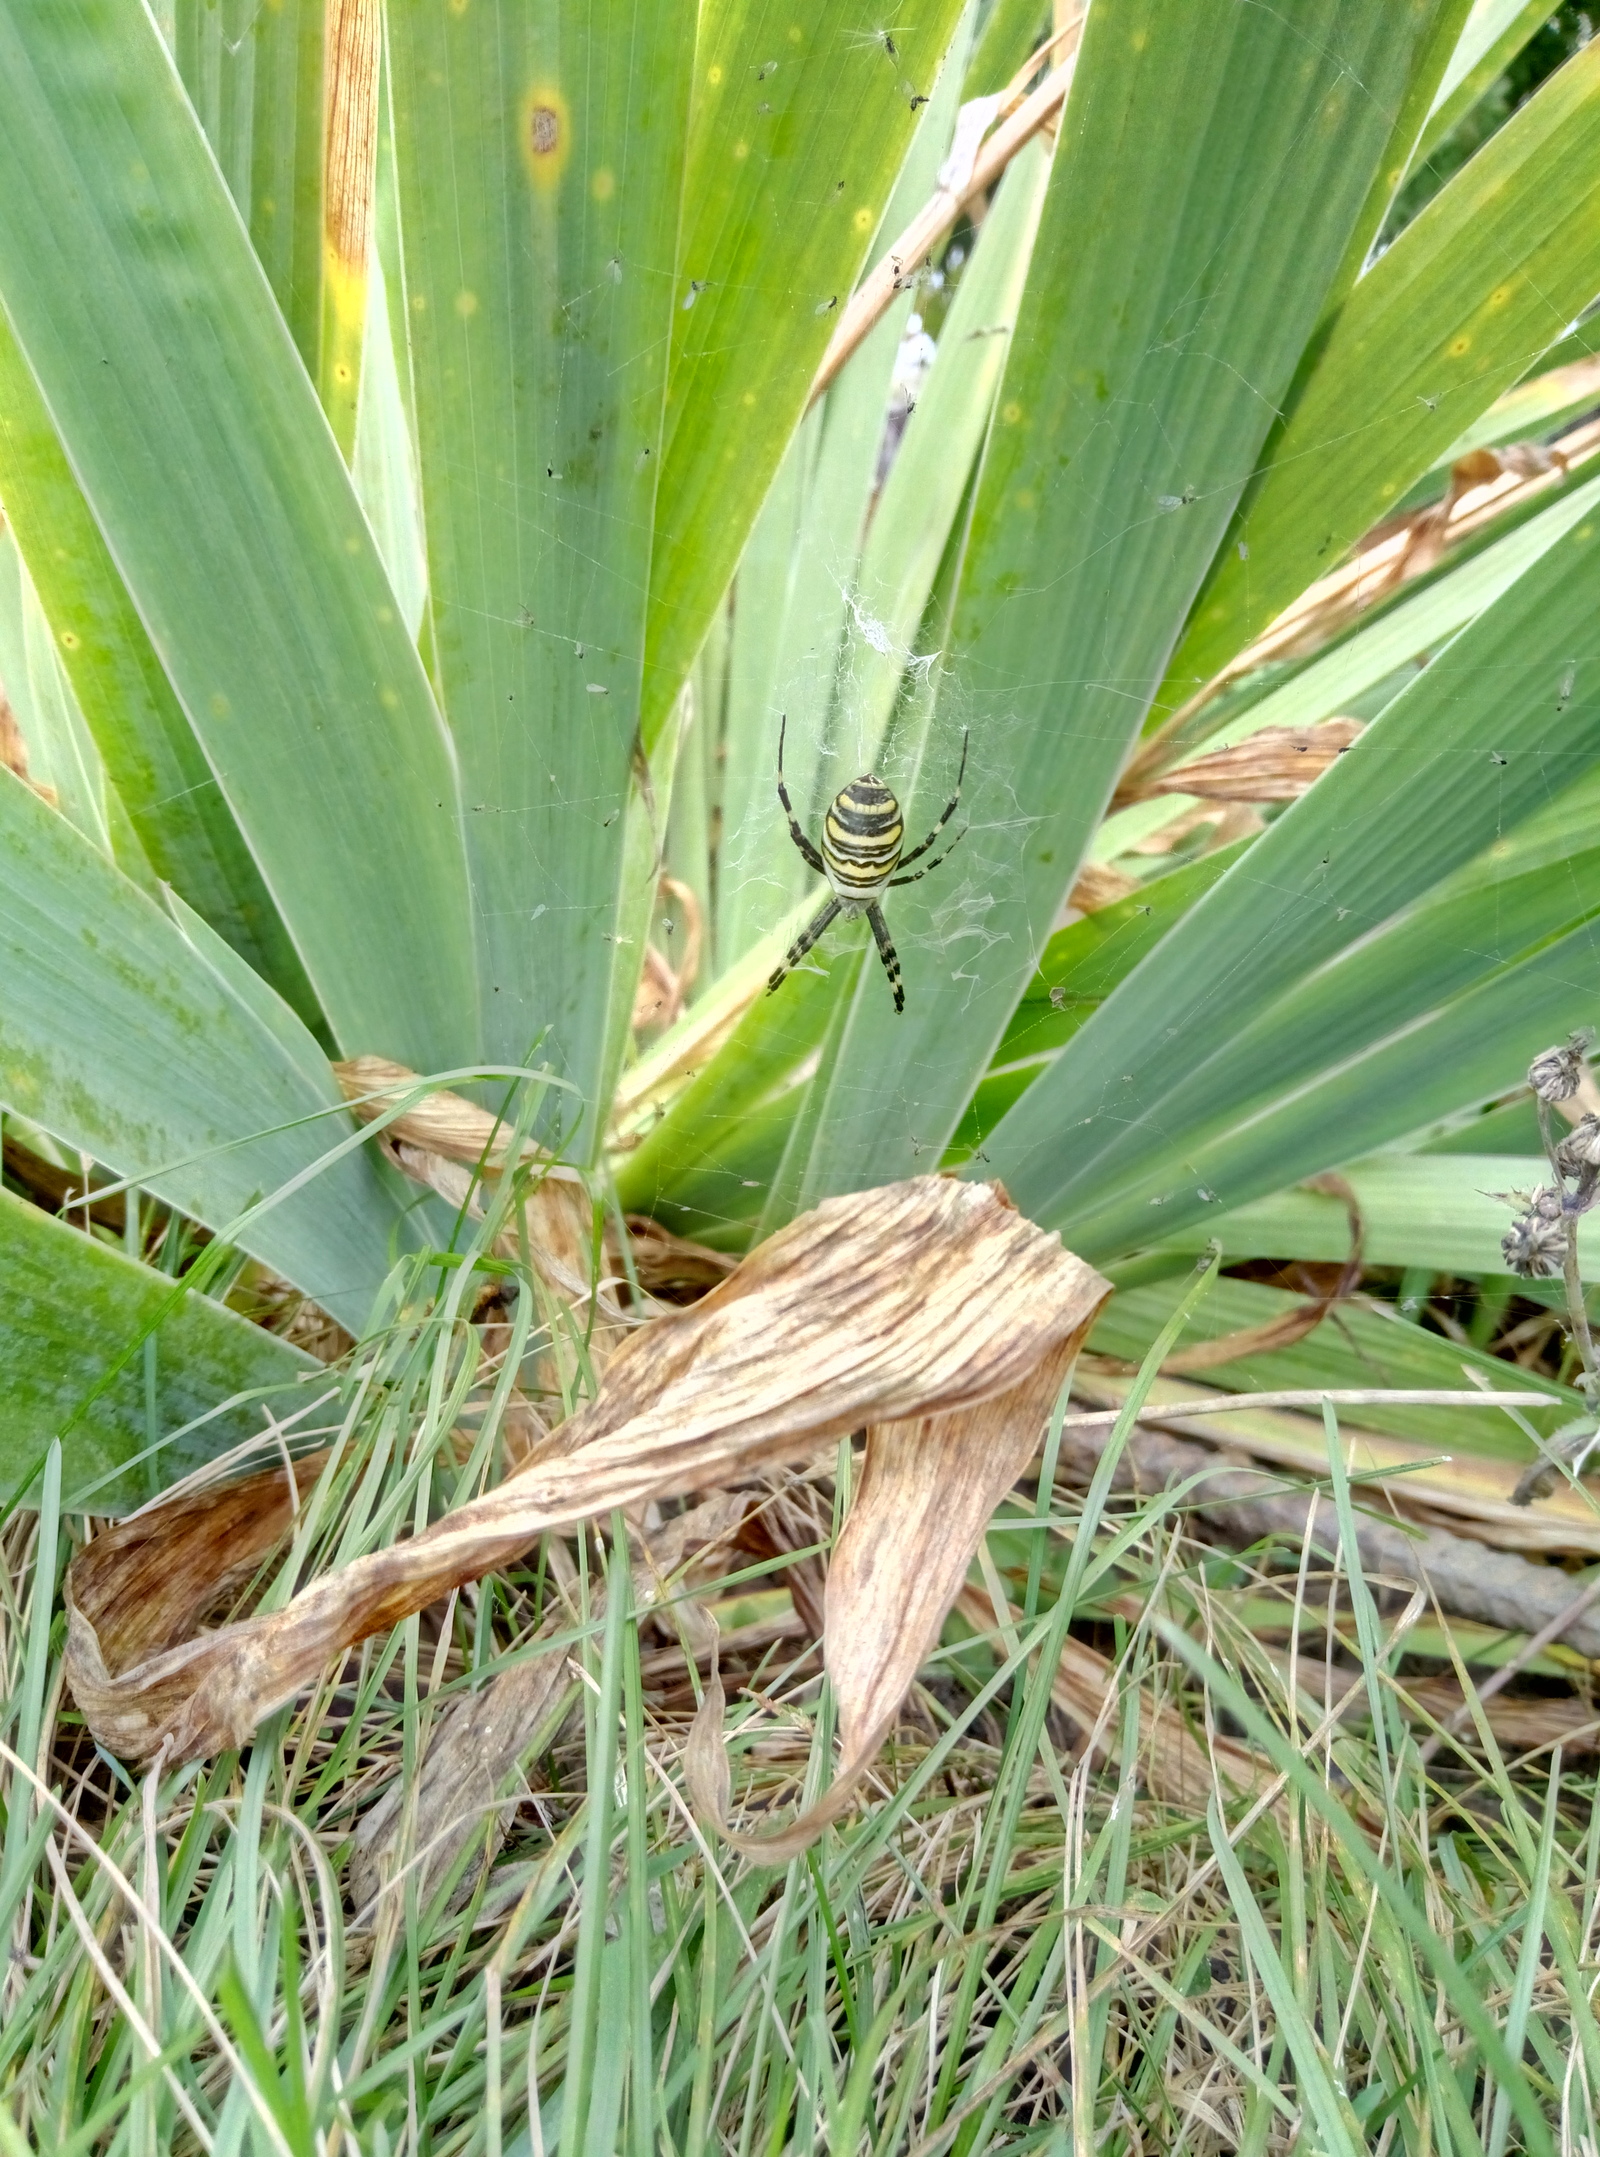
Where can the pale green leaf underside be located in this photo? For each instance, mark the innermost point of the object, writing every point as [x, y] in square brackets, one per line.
[72, 1309]
[1441, 1211]
[123, 1038]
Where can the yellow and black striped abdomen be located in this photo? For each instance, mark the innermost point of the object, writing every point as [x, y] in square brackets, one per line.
[862, 835]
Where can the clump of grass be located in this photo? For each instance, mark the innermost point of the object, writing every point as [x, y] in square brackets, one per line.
[1020, 1939]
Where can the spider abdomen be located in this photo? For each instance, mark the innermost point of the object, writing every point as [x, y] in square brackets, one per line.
[862, 837]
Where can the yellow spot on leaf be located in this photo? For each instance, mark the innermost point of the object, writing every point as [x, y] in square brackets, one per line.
[863, 219]
[1025, 500]
[713, 76]
[352, 545]
[466, 304]
[1500, 296]
[220, 706]
[69, 640]
[741, 150]
[604, 184]
[1139, 40]
[1458, 345]
[1011, 413]
[545, 134]
[459, 7]
[749, 396]
[389, 700]
[419, 303]
[794, 33]
[386, 614]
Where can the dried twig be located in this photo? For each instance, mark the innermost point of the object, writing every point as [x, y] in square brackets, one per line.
[1248, 1504]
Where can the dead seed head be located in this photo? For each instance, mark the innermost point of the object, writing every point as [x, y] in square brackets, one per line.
[1535, 1244]
[1580, 1149]
[1555, 1075]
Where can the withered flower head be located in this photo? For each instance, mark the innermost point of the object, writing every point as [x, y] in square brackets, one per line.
[1580, 1149]
[1535, 1244]
[1554, 1076]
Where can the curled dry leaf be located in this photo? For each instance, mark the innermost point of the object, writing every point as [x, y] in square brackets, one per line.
[925, 1299]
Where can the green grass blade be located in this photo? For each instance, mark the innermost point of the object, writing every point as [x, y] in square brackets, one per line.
[555, 141]
[1338, 2130]
[1493, 270]
[148, 748]
[1494, 33]
[1411, 1918]
[71, 1305]
[187, 1070]
[823, 101]
[198, 442]
[1476, 739]
[1088, 538]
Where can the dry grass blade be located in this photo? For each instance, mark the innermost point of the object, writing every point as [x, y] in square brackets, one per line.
[924, 1298]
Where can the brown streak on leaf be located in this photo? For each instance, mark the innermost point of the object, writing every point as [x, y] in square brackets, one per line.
[350, 129]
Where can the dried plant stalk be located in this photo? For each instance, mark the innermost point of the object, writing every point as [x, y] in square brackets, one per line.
[923, 1299]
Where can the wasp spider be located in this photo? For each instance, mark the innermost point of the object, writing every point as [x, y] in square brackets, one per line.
[862, 835]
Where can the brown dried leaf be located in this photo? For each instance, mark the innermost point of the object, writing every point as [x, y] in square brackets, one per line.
[1097, 885]
[1277, 763]
[925, 1298]
[928, 1487]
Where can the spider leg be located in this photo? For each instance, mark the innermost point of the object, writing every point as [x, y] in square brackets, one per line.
[812, 857]
[917, 875]
[888, 954]
[917, 852]
[818, 926]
